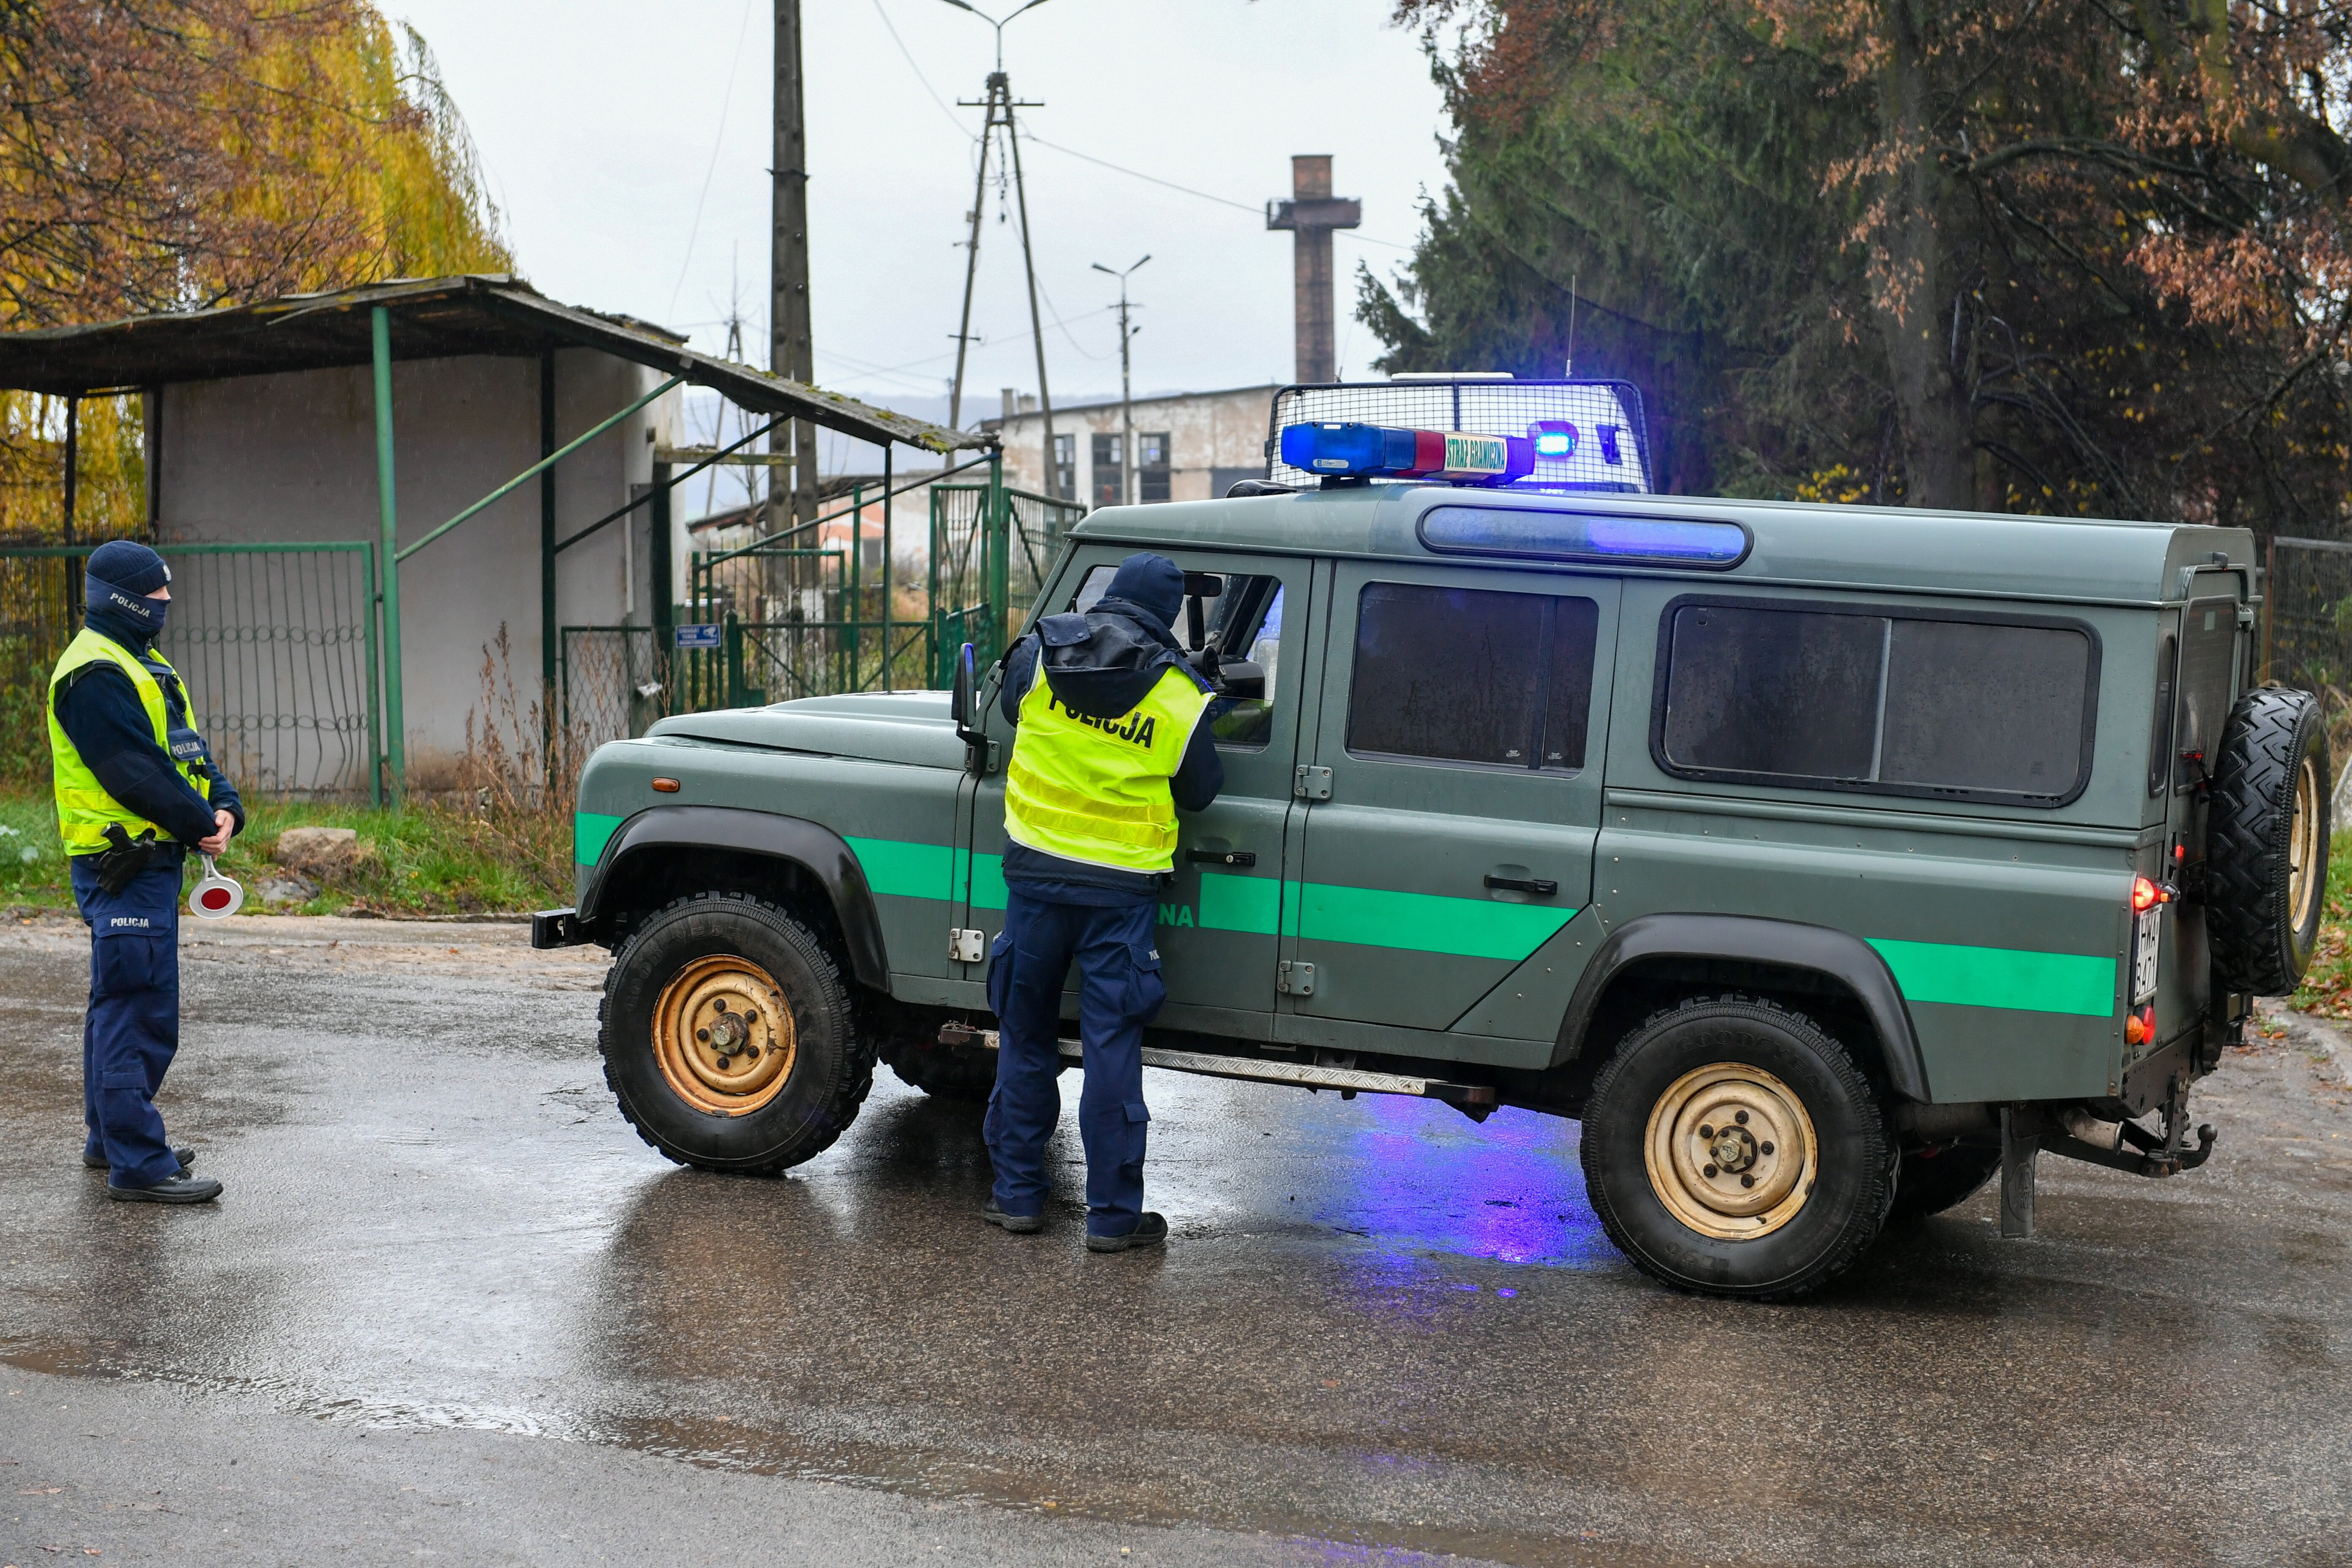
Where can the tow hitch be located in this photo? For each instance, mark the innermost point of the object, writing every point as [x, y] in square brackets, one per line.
[2027, 1129]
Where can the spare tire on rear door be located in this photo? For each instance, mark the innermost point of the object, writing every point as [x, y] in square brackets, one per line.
[2266, 842]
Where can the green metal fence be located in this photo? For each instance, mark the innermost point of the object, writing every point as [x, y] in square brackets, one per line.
[827, 607]
[276, 643]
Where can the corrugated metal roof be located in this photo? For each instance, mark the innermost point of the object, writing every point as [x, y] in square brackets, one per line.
[433, 318]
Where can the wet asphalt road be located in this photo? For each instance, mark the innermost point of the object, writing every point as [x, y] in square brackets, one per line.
[451, 1307]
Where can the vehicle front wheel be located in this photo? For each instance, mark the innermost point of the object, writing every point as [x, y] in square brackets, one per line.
[727, 1037]
[1733, 1148]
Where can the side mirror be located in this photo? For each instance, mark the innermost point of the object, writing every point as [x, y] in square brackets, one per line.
[960, 695]
[963, 706]
[1242, 680]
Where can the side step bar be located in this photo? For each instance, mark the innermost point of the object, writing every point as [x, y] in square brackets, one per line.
[1477, 1099]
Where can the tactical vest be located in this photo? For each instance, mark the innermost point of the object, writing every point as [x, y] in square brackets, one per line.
[1096, 790]
[84, 809]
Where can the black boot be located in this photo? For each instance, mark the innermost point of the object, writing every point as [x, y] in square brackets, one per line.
[1151, 1230]
[179, 1189]
[1017, 1224]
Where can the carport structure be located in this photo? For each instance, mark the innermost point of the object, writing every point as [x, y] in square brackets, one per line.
[257, 424]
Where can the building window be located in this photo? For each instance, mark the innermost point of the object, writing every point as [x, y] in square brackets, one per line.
[1462, 675]
[1063, 483]
[1109, 481]
[1151, 466]
[1951, 705]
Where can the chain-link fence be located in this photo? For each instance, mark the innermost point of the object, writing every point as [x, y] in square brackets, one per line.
[614, 681]
[276, 642]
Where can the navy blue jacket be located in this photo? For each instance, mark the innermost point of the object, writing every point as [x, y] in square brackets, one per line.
[100, 711]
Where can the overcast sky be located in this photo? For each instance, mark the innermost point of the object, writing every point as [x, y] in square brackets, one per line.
[627, 146]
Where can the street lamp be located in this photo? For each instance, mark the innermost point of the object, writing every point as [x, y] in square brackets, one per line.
[1126, 385]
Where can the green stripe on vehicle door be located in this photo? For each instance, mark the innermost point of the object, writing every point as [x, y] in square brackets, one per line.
[2008, 978]
[1424, 922]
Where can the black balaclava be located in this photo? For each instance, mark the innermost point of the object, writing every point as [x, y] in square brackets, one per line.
[1152, 584]
[122, 573]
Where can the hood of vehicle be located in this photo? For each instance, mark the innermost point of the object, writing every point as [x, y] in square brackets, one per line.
[911, 727]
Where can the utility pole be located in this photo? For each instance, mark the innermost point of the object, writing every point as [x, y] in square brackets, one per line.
[1126, 390]
[1311, 213]
[1000, 103]
[792, 346]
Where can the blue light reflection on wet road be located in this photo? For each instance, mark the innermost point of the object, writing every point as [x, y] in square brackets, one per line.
[1420, 1184]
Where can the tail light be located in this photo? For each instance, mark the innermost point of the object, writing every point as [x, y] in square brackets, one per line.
[2145, 895]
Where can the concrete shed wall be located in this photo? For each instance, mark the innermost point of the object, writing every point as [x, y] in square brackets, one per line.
[292, 458]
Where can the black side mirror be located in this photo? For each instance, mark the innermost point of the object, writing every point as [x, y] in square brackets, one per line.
[963, 706]
[1242, 680]
[960, 694]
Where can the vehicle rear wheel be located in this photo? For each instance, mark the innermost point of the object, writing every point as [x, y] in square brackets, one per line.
[2266, 842]
[1733, 1148]
[1931, 1181]
[964, 1074]
[727, 1037]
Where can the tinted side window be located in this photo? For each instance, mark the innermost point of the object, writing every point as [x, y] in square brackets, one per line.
[1465, 675]
[1906, 704]
[1774, 691]
[1981, 707]
[2209, 639]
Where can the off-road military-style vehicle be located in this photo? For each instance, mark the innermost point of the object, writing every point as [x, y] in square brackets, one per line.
[1824, 861]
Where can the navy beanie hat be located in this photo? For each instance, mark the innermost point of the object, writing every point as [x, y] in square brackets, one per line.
[129, 565]
[1151, 583]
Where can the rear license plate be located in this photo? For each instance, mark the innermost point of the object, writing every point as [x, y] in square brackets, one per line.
[2147, 938]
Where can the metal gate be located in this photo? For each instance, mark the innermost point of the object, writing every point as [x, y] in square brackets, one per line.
[823, 609]
[276, 643]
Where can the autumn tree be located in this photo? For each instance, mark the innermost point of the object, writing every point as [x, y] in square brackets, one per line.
[2023, 255]
[177, 154]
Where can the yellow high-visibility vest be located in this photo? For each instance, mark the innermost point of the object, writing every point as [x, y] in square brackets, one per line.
[84, 809]
[1096, 790]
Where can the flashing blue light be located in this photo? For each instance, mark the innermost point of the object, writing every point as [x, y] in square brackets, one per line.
[1353, 451]
[1517, 530]
[1553, 437]
[1348, 449]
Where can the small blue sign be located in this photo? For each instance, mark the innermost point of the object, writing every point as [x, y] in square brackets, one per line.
[697, 637]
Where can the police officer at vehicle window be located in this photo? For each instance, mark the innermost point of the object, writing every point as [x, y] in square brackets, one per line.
[135, 787]
[1111, 740]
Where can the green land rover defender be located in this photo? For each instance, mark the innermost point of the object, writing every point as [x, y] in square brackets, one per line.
[1824, 862]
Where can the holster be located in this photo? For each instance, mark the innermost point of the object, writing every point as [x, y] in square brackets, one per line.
[119, 867]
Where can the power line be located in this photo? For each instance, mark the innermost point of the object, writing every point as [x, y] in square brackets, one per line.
[717, 142]
[1139, 174]
[906, 55]
[1171, 184]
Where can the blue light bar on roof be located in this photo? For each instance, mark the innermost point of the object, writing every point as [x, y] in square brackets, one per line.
[1351, 450]
[1584, 536]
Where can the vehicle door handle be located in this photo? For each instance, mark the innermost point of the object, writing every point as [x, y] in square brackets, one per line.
[1222, 857]
[1541, 887]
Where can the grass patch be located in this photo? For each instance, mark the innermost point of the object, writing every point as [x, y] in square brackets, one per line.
[418, 860]
[2328, 988]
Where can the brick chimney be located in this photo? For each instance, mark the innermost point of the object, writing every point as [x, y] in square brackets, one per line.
[1311, 213]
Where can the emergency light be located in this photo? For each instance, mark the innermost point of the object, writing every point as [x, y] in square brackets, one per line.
[1446, 457]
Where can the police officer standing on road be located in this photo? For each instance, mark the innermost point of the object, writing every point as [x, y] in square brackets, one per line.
[134, 788]
[1111, 740]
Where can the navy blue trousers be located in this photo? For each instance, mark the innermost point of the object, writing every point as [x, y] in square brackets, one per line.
[133, 1028]
[1118, 991]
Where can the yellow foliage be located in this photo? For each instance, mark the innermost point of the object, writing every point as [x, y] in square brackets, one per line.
[335, 158]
